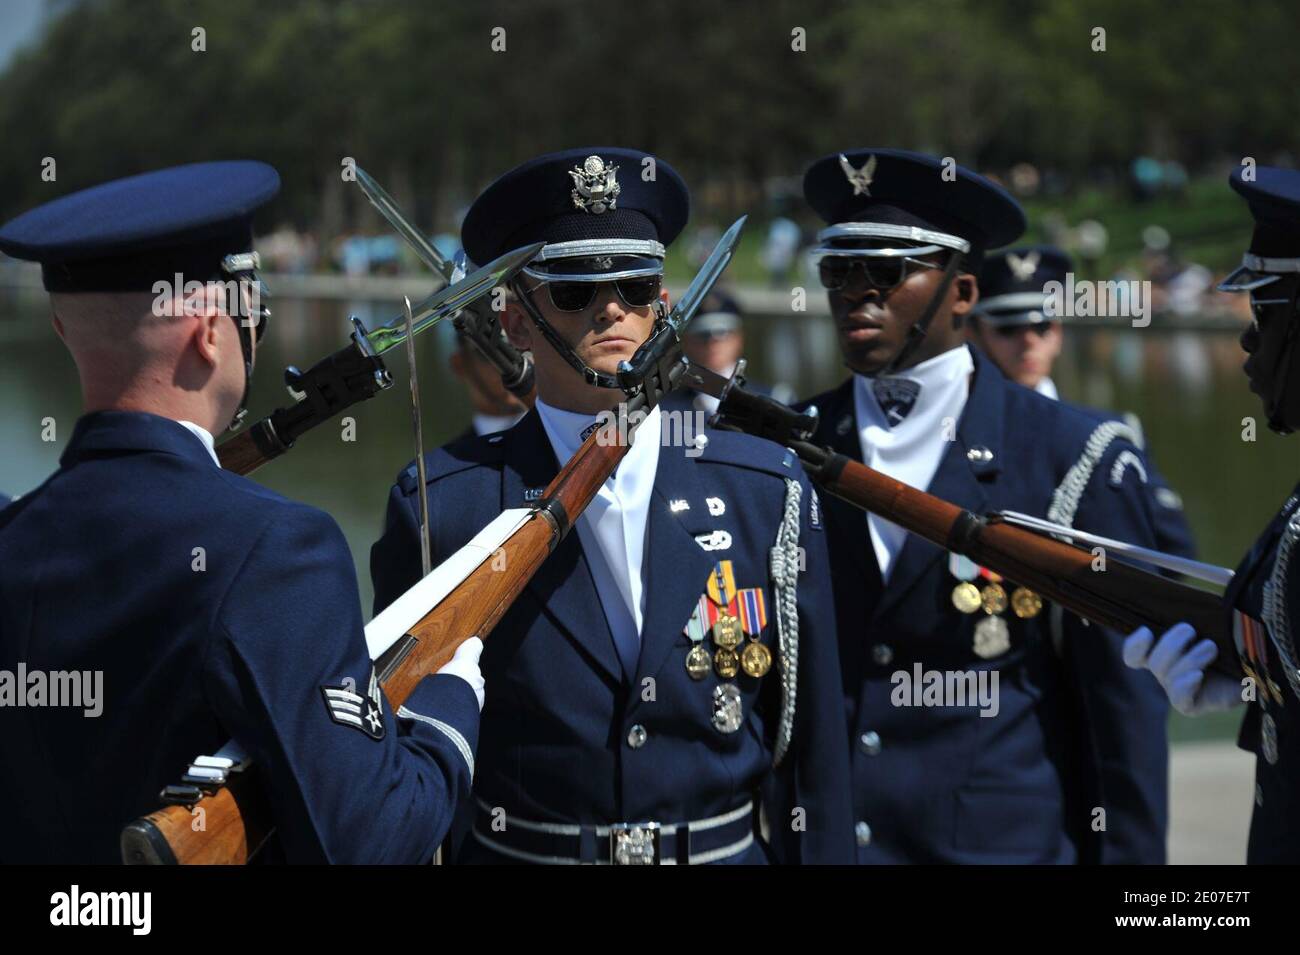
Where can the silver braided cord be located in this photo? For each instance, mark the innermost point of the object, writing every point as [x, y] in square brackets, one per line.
[1275, 612]
[784, 565]
[1065, 499]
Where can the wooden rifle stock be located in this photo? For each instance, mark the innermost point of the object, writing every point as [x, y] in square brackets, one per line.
[237, 817]
[245, 453]
[1121, 596]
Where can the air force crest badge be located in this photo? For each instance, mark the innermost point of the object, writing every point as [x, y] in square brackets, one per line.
[859, 179]
[1023, 267]
[349, 708]
[595, 186]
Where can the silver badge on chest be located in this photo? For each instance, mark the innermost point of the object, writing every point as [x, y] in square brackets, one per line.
[992, 639]
[728, 711]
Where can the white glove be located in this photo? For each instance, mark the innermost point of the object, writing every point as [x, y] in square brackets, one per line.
[464, 664]
[1181, 672]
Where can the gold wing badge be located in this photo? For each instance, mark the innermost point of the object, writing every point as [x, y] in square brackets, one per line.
[859, 179]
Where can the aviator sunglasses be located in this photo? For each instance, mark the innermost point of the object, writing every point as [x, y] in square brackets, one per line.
[575, 296]
[884, 273]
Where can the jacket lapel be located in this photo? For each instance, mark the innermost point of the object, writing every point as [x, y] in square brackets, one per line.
[846, 523]
[1250, 564]
[676, 567]
[968, 463]
[563, 583]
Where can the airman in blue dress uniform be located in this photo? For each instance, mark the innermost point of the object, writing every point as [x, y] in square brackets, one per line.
[675, 655]
[1013, 327]
[1065, 758]
[1264, 595]
[193, 605]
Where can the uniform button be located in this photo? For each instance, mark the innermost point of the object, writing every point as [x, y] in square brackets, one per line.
[870, 741]
[863, 833]
[882, 653]
[636, 736]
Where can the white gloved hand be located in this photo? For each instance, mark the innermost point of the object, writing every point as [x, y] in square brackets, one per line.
[1181, 672]
[464, 664]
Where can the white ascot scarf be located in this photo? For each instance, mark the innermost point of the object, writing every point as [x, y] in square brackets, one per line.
[911, 450]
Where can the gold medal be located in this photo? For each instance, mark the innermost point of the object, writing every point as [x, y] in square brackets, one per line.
[726, 631]
[698, 663]
[993, 599]
[727, 662]
[1026, 603]
[755, 659]
[966, 597]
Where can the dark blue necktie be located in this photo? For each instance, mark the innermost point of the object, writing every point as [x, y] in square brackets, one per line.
[896, 397]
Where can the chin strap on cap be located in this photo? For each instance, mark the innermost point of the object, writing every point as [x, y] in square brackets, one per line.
[564, 349]
[916, 334]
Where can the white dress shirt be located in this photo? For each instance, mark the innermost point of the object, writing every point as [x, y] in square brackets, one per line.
[203, 435]
[492, 423]
[613, 527]
[1047, 388]
[911, 450]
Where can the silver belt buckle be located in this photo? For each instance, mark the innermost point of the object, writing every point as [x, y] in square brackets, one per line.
[634, 843]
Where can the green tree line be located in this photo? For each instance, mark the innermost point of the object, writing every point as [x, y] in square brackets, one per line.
[736, 95]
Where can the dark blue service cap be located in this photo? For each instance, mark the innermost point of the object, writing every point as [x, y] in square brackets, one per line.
[125, 235]
[1011, 284]
[870, 196]
[1274, 198]
[603, 212]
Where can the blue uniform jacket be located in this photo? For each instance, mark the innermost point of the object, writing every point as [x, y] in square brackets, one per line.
[1075, 730]
[213, 609]
[1173, 535]
[1271, 729]
[568, 737]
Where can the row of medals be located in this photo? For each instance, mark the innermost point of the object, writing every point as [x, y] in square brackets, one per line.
[992, 638]
[755, 659]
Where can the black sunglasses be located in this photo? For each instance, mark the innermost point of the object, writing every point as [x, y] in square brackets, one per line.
[576, 296]
[880, 272]
[1011, 331]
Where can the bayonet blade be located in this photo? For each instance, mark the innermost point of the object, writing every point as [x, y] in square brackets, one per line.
[706, 277]
[419, 242]
[449, 300]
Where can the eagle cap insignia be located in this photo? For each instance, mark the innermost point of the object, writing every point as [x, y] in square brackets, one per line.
[859, 179]
[1023, 267]
[595, 188]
